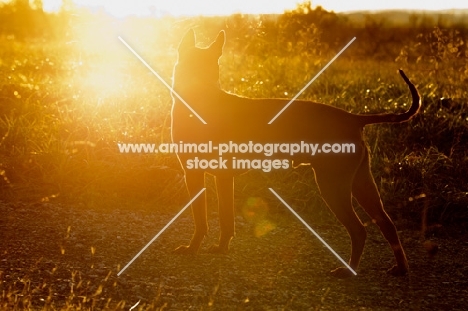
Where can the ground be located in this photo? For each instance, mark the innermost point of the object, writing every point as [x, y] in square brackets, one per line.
[67, 257]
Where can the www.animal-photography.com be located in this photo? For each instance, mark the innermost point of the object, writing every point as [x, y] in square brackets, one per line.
[233, 155]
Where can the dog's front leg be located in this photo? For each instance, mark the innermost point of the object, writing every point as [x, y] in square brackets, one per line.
[195, 182]
[225, 186]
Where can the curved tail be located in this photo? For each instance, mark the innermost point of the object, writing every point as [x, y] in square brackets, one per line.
[396, 117]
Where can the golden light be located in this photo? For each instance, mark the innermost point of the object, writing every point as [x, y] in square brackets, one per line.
[105, 82]
[224, 7]
[185, 7]
[255, 211]
[96, 34]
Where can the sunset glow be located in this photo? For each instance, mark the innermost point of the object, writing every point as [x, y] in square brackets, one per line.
[223, 7]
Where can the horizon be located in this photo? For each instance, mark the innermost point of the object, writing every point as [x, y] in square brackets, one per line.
[222, 8]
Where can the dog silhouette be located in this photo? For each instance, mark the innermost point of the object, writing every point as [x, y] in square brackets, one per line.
[233, 120]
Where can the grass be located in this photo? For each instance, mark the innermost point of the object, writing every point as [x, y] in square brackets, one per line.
[65, 103]
[68, 102]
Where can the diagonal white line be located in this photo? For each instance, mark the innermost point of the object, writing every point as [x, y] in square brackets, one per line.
[311, 81]
[313, 231]
[135, 305]
[161, 79]
[160, 232]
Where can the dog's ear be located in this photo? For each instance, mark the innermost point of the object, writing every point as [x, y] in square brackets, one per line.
[188, 41]
[217, 45]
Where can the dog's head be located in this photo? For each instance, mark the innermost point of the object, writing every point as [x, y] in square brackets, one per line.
[198, 67]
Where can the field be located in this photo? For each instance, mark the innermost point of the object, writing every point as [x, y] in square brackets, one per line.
[74, 210]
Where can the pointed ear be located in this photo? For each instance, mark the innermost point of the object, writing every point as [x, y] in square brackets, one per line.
[188, 41]
[217, 45]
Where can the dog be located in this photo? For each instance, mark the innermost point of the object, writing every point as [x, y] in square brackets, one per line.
[234, 119]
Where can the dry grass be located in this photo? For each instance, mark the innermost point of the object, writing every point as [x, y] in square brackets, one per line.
[65, 103]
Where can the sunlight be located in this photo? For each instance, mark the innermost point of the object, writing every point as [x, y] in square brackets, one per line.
[179, 7]
[222, 7]
[103, 81]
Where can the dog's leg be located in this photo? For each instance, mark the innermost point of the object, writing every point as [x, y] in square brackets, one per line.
[195, 182]
[335, 188]
[225, 186]
[366, 193]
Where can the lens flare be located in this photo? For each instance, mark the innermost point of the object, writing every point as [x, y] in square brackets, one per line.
[255, 211]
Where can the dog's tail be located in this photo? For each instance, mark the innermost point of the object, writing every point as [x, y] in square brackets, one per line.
[396, 117]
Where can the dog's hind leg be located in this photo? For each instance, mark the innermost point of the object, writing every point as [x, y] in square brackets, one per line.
[335, 188]
[225, 186]
[366, 193]
[195, 182]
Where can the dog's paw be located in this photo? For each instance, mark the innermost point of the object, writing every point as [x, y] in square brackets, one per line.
[398, 271]
[217, 249]
[185, 250]
[342, 273]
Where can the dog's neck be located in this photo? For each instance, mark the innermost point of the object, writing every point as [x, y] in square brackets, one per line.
[188, 83]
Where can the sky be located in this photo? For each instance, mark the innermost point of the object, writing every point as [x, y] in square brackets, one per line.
[121, 8]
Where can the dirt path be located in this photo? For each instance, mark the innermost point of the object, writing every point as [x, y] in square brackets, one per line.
[60, 256]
